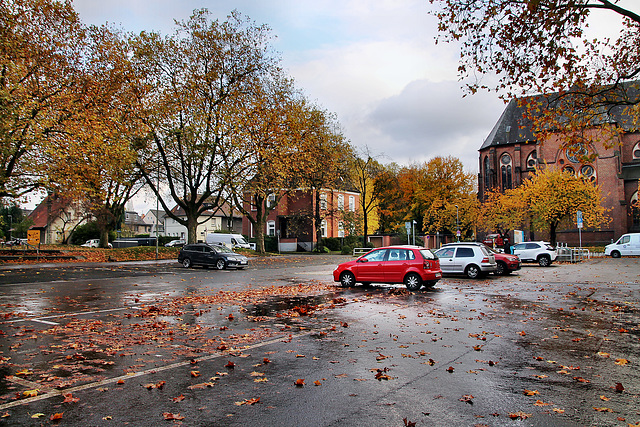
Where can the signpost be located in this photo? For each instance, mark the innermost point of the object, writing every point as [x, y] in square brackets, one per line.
[580, 224]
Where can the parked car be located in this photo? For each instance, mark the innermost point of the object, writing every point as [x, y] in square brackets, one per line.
[206, 255]
[234, 241]
[412, 265]
[94, 243]
[178, 243]
[505, 263]
[627, 244]
[470, 259]
[15, 242]
[541, 252]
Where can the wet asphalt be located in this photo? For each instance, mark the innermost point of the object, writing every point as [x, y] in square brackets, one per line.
[278, 344]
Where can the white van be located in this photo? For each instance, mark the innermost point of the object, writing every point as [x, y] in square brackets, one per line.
[232, 241]
[628, 244]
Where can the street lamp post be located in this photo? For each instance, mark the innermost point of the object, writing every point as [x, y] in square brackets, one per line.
[458, 223]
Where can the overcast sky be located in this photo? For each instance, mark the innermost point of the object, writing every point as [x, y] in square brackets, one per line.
[372, 62]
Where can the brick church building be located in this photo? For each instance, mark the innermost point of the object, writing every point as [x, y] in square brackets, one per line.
[511, 153]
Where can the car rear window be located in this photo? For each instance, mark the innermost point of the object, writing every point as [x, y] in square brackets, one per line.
[426, 254]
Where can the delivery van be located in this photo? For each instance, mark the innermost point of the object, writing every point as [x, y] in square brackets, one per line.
[627, 244]
[232, 241]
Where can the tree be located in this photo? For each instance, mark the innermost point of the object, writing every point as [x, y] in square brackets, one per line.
[270, 126]
[543, 46]
[554, 195]
[364, 171]
[194, 83]
[321, 159]
[93, 156]
[446, 185]
[503, 212]
[40, 50]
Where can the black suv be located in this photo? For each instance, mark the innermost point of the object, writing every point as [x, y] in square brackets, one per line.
[205, 255]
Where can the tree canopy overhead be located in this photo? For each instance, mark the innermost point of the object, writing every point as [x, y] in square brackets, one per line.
[545, 47]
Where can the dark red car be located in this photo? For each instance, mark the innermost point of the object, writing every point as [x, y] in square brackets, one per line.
[412, 265]
[505, 263]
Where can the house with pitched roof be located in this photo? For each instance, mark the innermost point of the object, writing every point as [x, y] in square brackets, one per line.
[56, 217]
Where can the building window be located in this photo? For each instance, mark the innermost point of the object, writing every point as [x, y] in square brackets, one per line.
[532, 160]
[487, 172]
[323, 201]
[587, 172]
[635, 153]
[271, 200]
[271, 228]
[505, 168]
[352, 203]
[341, 201]
[576, 152]
[635, 212]
[569, 169]
[323, 228]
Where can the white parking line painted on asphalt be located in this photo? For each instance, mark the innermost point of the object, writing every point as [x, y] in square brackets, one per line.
[59, 316]
[55, 393]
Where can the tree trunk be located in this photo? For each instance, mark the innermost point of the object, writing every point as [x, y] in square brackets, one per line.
[365, 229]
[259, 223]
[552, 233]
[318, 222]
[192, 229]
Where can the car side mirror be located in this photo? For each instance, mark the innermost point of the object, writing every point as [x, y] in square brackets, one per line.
[363, 260]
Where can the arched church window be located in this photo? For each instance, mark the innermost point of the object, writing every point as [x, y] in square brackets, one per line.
[487, 173]
[532, 159]
[588, 173]
[505, 168]
[635, 153]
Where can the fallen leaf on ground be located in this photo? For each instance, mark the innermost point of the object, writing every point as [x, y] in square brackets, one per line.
[170, 416]
[521, 415]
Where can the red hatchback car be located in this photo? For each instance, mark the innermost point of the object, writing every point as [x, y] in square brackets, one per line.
[412, 265]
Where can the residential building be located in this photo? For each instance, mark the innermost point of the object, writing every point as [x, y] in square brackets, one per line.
[133, 225]
[56, 217]
[155, 218]
[511, 153]
[292, 220]
[223, 218]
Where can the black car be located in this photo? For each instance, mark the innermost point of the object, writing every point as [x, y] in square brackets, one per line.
[205, 255]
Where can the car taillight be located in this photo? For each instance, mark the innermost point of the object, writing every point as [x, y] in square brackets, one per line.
[485, 260]
[427, 264]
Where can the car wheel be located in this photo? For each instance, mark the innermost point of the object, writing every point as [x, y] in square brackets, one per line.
[412, 281]
[615, 254]
[501, 268]
[220, 264]
[186, 263]
[544, 261]
[347, 279]
[472, 271]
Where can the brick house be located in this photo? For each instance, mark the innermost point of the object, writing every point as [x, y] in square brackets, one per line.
[511, 153]
[293, 218]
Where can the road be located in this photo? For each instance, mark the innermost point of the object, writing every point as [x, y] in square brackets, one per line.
[277, 344]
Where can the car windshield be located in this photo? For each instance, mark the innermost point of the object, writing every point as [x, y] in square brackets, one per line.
[241, 241]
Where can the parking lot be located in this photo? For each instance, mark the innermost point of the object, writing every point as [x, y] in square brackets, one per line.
[279, 344]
